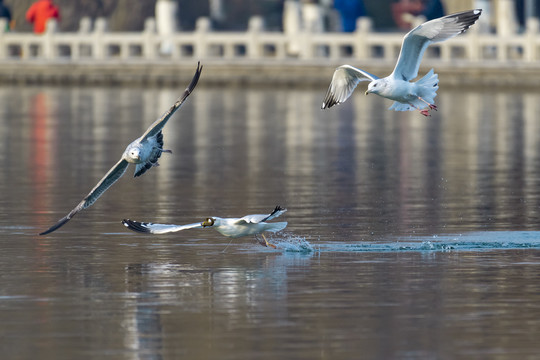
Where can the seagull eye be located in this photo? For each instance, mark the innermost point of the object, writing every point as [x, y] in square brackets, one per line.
[208, 222]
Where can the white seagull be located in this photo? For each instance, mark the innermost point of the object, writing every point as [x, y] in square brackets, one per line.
[230, 227]
[143, 152]
[398, 86]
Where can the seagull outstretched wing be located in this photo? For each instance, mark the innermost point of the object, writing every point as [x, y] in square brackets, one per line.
[417, 40]
[259, 218]
[157, 228]
[106, 182]
[343, 83]
[160, 123]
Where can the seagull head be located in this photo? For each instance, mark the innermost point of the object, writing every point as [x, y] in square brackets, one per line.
[376, 86]
[133, 154]
[208, 222]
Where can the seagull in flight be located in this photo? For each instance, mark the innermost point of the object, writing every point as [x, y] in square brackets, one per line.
[143, 152]
[231, 227]
[397, 86]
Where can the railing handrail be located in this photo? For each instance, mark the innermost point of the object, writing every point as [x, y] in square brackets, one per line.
[95, 42]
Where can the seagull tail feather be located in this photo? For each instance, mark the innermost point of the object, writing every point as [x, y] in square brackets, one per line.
[428, 86]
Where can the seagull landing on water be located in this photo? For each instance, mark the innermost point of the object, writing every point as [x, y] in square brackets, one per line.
[398, 86]
[143, 152]
[230, 227]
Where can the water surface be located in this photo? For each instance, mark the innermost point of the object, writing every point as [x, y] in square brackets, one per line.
[408, 237]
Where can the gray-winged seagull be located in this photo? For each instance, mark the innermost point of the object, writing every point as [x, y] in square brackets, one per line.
[397, 86]
[143, 152]
[230, 227]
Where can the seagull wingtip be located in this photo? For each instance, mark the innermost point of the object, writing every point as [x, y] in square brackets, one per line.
[136, 226]
[48, 231]
[59, 224]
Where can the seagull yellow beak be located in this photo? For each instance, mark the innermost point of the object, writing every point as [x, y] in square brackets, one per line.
[367, 92]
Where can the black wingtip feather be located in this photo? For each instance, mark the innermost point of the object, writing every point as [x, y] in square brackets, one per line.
[278, 208]
[59, 224]
[195, 79]
[65, 219]
[329, 101]
[135, 226]
[467, 18]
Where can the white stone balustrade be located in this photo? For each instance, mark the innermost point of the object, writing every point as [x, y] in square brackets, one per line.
[96, 43]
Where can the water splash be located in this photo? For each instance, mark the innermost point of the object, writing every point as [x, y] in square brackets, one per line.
[293, 243]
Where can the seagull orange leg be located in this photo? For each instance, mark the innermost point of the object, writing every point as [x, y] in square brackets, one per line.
[424, 112]
[267, 244]
[431, 106]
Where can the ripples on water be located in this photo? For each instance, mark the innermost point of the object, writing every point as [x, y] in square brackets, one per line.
[408, 237]
[348, 173]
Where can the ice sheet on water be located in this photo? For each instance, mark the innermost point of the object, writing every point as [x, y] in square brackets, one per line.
[485, 240]
[475, 241]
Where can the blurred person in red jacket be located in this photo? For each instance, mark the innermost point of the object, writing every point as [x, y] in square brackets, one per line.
[40, 12]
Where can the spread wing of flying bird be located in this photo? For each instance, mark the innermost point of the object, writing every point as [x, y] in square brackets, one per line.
[144, 152]
[231, 227]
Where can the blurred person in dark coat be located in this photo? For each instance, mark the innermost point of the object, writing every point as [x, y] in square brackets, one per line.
[5, 14]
